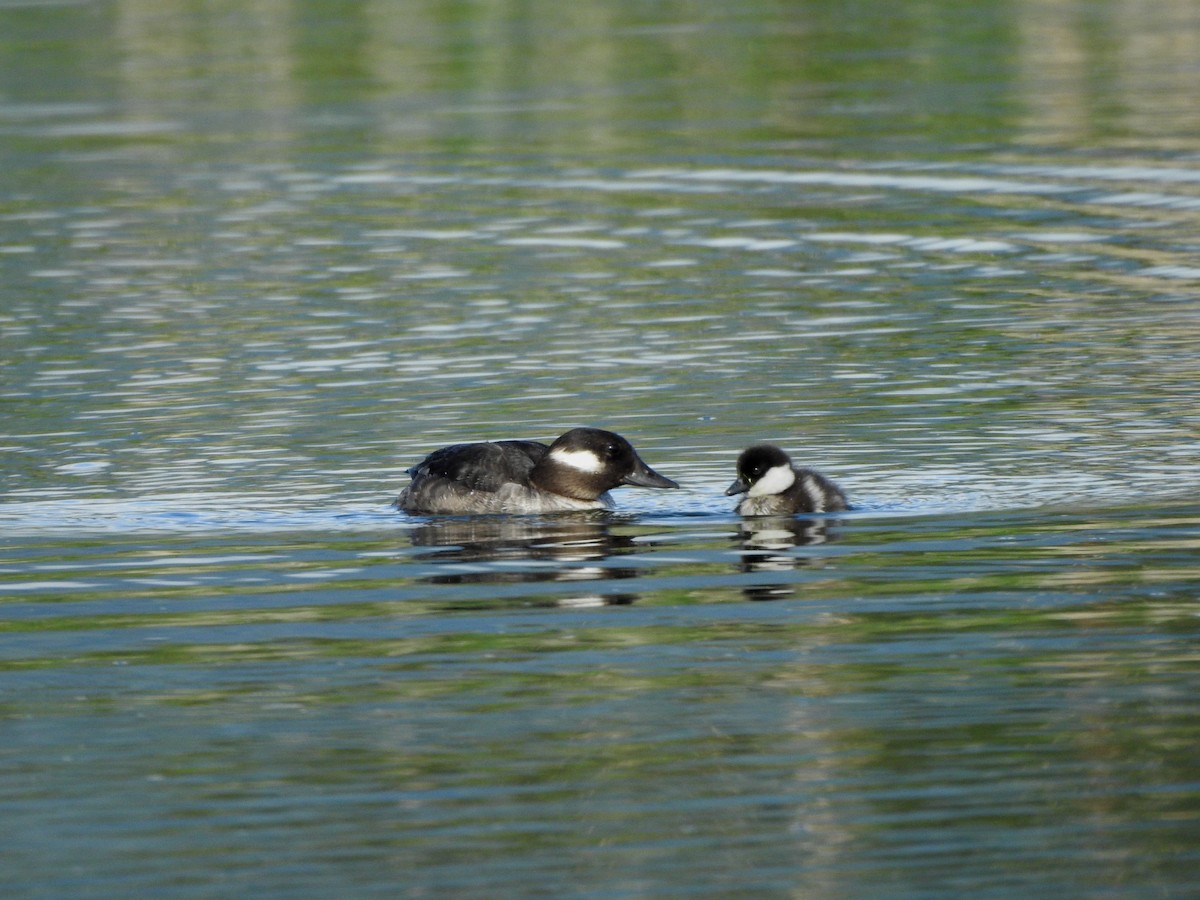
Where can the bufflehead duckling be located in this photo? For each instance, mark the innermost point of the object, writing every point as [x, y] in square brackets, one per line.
[775, 487]
[573, 473]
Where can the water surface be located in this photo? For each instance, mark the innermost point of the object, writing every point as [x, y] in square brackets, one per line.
[257, 260]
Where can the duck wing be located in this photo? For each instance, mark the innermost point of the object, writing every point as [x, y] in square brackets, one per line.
[482, 466]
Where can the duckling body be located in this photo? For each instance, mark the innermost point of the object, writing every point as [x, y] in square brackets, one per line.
[774, 486]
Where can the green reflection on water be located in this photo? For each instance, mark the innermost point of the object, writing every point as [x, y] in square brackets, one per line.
[605, 77]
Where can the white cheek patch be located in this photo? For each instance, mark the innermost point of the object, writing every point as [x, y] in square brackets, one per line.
[583, 460]
[775, 480]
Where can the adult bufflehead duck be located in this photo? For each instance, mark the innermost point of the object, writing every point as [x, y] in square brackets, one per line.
[575, 472]
[775, 487]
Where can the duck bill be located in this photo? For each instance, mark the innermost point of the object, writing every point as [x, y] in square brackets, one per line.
[738, 487]
[644, 476]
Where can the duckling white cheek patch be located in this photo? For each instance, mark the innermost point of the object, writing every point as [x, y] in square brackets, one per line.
[583, 460]
[775, 480]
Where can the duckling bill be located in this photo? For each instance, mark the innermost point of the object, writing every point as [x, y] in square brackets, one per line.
[774, 486]
[575, 472]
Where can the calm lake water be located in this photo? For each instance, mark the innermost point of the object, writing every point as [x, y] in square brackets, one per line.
[256, 259]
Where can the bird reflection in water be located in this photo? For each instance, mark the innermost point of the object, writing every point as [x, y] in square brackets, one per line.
[522, 550]
[765, 542]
